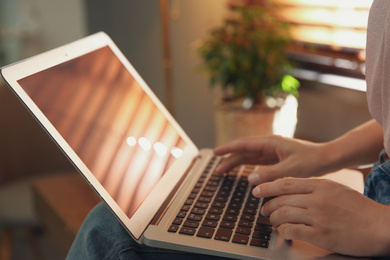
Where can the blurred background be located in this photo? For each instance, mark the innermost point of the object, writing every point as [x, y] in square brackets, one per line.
[160, 39]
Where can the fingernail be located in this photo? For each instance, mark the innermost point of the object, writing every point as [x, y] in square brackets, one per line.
[254, 178]
[256, 192]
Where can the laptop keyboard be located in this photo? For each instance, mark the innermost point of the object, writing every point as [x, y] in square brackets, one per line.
[223, 208]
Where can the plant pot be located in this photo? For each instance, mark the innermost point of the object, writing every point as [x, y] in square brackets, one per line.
[233, 122]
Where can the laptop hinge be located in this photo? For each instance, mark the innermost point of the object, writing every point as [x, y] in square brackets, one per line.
[164, 207]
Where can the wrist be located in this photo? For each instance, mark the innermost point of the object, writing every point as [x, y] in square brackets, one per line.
[330, 158]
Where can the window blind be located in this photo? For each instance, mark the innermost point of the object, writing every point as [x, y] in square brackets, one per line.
[329, 35]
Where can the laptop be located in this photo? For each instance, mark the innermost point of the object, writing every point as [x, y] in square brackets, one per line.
[123, 141]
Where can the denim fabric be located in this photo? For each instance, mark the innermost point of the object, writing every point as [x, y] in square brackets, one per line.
[377, 185]
[103, 237]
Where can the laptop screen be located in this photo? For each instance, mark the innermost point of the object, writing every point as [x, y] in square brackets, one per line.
[109, 121]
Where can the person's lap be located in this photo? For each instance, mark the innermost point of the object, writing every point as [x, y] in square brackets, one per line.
[102, 236]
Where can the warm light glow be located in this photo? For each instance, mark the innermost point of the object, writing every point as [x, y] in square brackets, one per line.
[326, 17]
[337, 23]
[286, 118]
[330, 36]
[144, 143]
[329, 3]
[176, 152]
[160, 149]
[131, 141]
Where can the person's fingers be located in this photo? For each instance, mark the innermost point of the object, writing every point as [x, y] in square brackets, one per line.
[250, 144]
[298, 232]
[299, 201]
[289, 215]
[231, 162]
[285, 186]
[269, 173]
[264, 174]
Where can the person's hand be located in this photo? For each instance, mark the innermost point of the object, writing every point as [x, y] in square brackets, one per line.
[285, 157]
[327, 214]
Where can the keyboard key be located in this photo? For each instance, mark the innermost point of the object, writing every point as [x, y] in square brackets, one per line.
[221, 198]
[260, 235]
[223, 193]
[202, 179]
[231, 218]
[204, 199]
[181, 214]
[210, 188]
[247, 217]
[199, 185]
[210, 223]
[226, 187]
[232, 211]
[250, 211]
[201, 205]
[207, 193]
[177, 221]
[189, 202]
[239, 194]
[259, 243]
[253, 199]
[240, 239]
[251, 205]
[263, 221]
[185, 208]
[206, 232]
[192, 196]
[215, 178]
[244, 231]
[223, 234]
[187, 231]
[212, 216]
[227, 224]
[218, 204]
[195, 217]
[212, 183]
[234, 205]
[173, 228]
[195, 190]
[236, 200]
[191, 224]
[198, 211]
[244, 223]
[262, 228]
[215, 210]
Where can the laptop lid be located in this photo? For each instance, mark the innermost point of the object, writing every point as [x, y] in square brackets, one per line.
[108, 122]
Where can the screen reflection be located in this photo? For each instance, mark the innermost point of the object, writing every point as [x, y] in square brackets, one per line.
[109, 121]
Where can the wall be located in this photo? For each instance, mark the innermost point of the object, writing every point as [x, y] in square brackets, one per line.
[29, 27]
[136, 28]
[325, 112]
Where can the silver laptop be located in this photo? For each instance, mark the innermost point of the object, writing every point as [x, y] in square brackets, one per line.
[123, 141]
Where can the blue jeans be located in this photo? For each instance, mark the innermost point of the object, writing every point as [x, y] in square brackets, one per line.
[377, 185]
[103, 237]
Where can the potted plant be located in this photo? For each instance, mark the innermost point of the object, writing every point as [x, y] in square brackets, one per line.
[246, 56]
